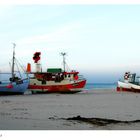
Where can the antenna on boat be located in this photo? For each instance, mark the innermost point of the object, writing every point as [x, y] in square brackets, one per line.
[64, 62]
[13, 60]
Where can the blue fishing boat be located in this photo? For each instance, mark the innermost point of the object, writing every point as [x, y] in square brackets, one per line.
[15, 84]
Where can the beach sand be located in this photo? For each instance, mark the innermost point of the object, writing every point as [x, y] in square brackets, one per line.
[51, 111]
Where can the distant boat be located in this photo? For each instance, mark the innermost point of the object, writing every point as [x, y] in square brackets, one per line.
[129, 83]
[15, 84]
[55, 79]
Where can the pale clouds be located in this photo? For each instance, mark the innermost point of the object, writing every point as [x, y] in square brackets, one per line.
[4, 10]
[63, 34]
[70, 2]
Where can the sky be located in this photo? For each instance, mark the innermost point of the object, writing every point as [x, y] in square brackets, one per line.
[101, 41]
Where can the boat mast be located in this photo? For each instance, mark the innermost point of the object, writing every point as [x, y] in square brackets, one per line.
[64, 62]
[13, 60]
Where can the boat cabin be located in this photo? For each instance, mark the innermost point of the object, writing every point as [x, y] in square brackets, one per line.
[56, 74]
[129, 77]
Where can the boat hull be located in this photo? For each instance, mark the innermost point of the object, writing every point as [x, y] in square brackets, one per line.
[71, 87]
[123, 89]
[14, 88]
[135, 88]
[122, 86]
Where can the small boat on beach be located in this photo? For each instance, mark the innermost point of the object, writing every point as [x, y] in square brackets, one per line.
[55, 79]
[15, 84]
[129, 83]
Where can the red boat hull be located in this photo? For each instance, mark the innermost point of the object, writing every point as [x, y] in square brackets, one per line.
[123, 89]
[74, 87]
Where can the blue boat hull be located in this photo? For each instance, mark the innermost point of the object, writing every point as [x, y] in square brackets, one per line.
[14, 87]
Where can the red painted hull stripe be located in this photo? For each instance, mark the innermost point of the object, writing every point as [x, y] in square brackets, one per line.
[123, 89]
[59, 87]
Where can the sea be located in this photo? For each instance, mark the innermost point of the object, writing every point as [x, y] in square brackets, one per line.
[100, 85]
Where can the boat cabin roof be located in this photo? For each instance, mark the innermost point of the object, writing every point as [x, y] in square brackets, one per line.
[65, 73]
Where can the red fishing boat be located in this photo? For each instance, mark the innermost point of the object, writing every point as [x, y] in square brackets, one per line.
[55, 79]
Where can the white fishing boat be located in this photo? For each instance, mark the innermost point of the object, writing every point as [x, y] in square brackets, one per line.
[127, 82]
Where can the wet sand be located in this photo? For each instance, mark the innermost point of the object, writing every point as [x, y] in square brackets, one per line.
[56, 111]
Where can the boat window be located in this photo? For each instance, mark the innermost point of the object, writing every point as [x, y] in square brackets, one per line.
[57, 78]
[62, 77]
